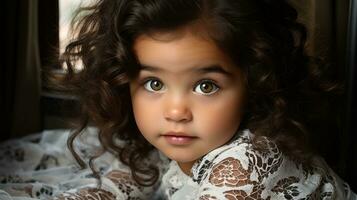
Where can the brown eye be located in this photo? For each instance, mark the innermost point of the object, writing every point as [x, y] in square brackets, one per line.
[153, 85]
[206, 88]
[156, 85]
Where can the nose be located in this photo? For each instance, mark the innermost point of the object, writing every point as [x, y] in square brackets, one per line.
[177, 109]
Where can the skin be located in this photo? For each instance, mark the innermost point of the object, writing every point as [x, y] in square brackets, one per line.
[169, 95]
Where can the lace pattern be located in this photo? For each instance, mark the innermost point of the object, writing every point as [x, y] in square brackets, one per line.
[41, 167]
[238, 171]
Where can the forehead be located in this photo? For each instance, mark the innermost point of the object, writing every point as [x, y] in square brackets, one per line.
[179, 51]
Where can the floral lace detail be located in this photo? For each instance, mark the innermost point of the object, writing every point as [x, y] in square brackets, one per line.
[206, 164]
[240, 171]
[207, 197]
[85, 194]
[41, 167]
[47, 161]
[124, 182]
[285, 187]
[230, 173]
[241, 194]
[11, 152]
[201, 167]
[265, 162]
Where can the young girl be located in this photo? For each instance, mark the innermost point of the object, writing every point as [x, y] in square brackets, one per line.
[200, 99]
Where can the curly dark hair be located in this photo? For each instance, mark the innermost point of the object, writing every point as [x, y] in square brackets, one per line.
[263, 38]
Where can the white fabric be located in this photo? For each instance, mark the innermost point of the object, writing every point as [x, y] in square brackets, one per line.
[41, 167]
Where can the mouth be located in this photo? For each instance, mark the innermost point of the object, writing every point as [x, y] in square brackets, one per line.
[179, 138]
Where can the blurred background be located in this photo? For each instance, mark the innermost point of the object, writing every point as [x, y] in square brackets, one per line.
[36, 31]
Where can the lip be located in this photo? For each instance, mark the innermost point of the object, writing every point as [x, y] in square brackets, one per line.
[178, 138]
[178, 134]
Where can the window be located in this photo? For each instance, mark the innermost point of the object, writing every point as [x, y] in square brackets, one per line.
[67, 9]
[59, 108]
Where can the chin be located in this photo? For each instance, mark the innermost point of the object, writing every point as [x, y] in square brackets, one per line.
[182, 157]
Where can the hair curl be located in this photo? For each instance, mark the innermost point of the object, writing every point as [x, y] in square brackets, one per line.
[263, 37]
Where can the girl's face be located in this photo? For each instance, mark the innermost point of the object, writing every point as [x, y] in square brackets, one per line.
[187, 98]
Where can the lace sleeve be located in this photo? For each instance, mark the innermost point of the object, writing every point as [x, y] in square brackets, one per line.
[89, 193]
[239, 172]
[242, 172]
[230, 180]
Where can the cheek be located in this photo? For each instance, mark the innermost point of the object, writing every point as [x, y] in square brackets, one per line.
[222, 118]
[144, 113]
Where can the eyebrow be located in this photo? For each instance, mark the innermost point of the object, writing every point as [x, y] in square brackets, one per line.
[215, 68]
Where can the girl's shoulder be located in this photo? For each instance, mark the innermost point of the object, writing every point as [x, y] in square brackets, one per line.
[238, 170]
[239, 154]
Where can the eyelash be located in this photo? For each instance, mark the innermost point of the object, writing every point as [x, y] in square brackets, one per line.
[214, 84]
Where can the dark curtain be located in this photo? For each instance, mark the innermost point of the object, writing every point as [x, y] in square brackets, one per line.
[329, 25]
[20, 77]
[351, 140]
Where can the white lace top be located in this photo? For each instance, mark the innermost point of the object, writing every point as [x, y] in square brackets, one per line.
[41, 167]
